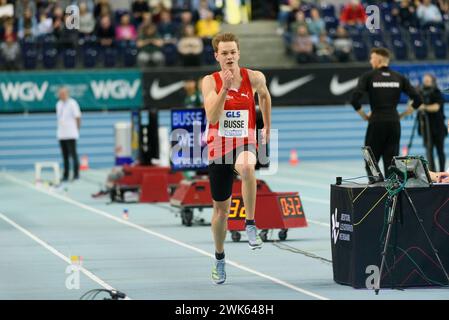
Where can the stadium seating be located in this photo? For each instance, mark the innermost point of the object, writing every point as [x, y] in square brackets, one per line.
[440, 49]
[50, 58]
[360, 51]
[170, 53]
[69, 58]
[130, 54]
[400, 50]
[109, 57]
[420, 49]
[409, 42]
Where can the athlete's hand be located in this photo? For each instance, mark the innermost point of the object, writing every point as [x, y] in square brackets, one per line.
[227, 79]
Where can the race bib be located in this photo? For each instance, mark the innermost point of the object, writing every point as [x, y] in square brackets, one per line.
[234, 124]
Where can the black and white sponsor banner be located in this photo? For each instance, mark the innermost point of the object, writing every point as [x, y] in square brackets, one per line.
[303, 85]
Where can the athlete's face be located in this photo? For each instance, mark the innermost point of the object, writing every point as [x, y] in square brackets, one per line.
[227, 55]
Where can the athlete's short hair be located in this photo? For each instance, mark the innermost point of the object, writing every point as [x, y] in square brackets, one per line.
[381, 52]
[224, 37]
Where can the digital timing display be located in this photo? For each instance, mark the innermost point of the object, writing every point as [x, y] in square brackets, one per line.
[291, 206]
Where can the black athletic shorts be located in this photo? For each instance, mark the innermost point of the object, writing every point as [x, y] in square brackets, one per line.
[221, 175]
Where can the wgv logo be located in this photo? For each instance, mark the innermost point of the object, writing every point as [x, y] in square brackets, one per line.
[23, 91]
[115, 89]
[335, 226]
[233, 114]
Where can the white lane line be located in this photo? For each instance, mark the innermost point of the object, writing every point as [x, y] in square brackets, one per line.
[163, 237]
[89, 274]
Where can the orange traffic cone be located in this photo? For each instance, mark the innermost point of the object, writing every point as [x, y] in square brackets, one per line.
[293, 157]
[84, 163]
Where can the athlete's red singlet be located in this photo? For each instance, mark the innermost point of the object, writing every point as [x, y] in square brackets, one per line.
[237, 125]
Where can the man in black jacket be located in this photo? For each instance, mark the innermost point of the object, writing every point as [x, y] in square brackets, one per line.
[384, 87]
[432, 111]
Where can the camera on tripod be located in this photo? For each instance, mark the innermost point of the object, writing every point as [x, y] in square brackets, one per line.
[411, 172]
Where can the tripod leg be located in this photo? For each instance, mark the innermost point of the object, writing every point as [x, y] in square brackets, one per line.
[435, 251]
[391, 216]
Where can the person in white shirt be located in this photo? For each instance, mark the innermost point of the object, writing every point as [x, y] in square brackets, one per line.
[69, 123]
[429, 14]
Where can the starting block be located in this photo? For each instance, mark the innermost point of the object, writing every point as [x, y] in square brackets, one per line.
[38, 166]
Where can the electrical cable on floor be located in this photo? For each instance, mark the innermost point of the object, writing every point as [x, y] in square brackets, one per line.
[286, 247]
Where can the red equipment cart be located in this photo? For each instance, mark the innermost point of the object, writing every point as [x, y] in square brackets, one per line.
[275, 210]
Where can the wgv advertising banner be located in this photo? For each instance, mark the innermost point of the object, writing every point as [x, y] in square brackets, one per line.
[94, 90]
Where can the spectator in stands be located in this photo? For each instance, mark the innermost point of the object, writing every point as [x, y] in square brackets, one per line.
[42, 6]
[157, 6]
[323, 49]
[300, 20]
[353, 14]
[186, 20]
[342, 45]
[147, 18]
[22, 5]
[69, 36]
[125, 31]
[138, 8]
[166, 27]
[10, 51]
[302, 46]
[179, 6]
[444, 7]
[283, 16]
[87, 21]
[150, 45]
[406, 14]
[27, 25]
[6, 12]
[58, 21]
[315, 25]
[204, 7]
[208, 27]
[429, 14]
[190, 47]
[105, 32]
[102, 8]
[45, 25]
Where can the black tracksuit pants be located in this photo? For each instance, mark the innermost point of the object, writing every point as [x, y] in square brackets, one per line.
[68, 149]
[383, 138]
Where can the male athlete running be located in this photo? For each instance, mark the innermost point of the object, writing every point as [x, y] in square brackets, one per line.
[230, 110]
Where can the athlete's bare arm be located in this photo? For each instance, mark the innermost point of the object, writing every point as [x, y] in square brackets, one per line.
[259, 84]
[213, 102]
